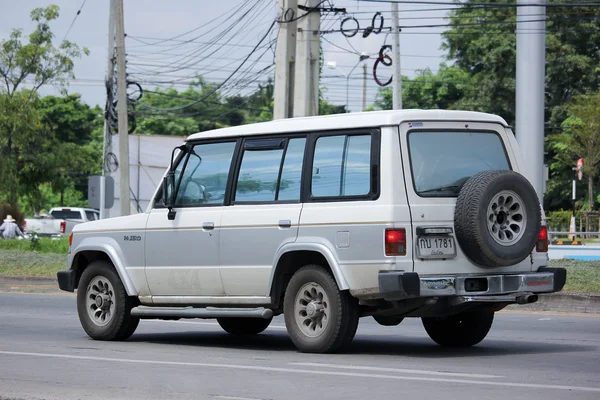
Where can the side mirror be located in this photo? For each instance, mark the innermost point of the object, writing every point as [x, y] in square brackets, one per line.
[169, 193]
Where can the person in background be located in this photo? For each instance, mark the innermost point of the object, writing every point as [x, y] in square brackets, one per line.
[9, 228]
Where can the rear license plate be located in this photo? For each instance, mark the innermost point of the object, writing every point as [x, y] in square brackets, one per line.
[436, 247]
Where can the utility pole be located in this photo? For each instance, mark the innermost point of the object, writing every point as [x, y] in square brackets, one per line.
[396, 70]
[364, 97]
[109, 81]
[122, 111]
[285, 60]
[531, 47]
[306, 80]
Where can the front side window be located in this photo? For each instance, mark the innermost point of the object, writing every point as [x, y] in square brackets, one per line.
[341, 166]
[442, 162]
[201, 176]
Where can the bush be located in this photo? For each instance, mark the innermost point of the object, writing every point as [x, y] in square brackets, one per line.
[559, 221]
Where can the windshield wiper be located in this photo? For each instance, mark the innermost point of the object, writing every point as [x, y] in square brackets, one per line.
[449, 188]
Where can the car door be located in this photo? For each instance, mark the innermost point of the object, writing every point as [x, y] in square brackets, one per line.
[264, 213]
[182, 254]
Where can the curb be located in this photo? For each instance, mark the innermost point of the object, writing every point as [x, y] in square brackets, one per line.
[585, 303]
[25, 278]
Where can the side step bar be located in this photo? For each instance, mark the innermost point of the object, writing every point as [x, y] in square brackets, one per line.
[208, 312]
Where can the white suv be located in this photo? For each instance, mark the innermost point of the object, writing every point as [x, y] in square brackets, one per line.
[388, 214]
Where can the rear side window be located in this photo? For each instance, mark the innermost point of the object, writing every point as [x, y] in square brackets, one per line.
[91, 215]
[270, 172]
[442, 162]
[341, 166]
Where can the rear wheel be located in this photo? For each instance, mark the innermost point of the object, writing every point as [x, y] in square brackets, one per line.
[318, 316]
[461, 330]
[103, 305]
[244, 326]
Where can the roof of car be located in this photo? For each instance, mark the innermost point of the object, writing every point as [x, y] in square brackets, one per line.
[348, 121]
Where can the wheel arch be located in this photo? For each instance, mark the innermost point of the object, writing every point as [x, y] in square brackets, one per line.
[291, 258]
[85, 254]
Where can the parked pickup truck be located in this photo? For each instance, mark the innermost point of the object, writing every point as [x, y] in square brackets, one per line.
[59, 221]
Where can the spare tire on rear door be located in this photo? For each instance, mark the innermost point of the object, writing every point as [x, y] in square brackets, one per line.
[497, 218]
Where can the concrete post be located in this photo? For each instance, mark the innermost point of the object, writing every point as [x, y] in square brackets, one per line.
[531, 56]
[306, 79]
[285, 60]
[122, 111]
[396, 67]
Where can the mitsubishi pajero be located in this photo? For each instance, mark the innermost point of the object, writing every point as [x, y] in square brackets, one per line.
[325, 220]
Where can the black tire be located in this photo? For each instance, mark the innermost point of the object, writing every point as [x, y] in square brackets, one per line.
[121, 324]
[461, 330]
[388, 321]
[471, 219]
[342, 312]
[244, 326]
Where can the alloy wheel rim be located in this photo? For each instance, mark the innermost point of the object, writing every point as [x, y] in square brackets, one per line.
[311, 309]
[506, 218]
[100, 302]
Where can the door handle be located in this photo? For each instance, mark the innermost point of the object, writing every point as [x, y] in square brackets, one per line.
[209, 226]
[285, 223]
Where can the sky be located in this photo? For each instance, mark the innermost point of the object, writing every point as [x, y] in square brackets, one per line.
[154, 61]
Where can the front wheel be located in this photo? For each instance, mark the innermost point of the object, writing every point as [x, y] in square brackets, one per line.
[103, 305]
[460, 330]
[318, 316]
[244, 326]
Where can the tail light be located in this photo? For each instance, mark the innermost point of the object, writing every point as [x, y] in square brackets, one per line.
[542, 242]
[24, 226]
[70, 240]
[63, 226]
[395, 242]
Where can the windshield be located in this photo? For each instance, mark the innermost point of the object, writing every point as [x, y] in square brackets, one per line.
[442, 162]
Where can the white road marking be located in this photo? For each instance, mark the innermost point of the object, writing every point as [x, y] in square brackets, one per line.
[204, 323]
[308, 372]
[397, 370]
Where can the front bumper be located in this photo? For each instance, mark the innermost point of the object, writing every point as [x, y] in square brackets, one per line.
[66, 280]
[398, 285]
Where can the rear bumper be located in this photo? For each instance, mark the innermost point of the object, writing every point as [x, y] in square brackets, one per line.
[397, 285]
[66, 280]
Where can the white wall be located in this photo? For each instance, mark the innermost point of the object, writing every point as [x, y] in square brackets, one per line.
[149, 157]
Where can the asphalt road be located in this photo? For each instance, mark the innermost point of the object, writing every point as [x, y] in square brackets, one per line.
[44, 354]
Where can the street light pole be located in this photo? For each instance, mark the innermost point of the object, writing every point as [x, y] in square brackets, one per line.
[333, 65]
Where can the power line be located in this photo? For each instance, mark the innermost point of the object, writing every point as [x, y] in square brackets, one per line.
[219, 86]
[195, 29]
[486, 5]
[74, 19]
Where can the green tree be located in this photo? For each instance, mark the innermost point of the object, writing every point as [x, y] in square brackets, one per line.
[445, 89]
[580, 138]
[35, 63]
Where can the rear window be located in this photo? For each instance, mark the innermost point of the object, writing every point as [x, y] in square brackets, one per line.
[442, 162]
[66, 214]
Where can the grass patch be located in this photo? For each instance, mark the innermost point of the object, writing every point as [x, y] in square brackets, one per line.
[41, 245]
[582, 276]
[30, 263]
